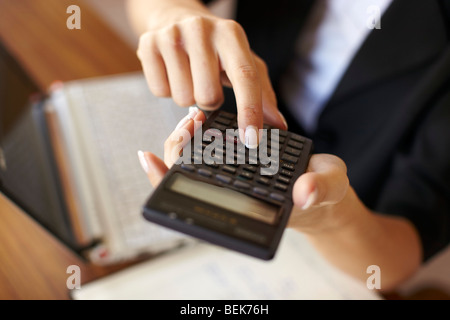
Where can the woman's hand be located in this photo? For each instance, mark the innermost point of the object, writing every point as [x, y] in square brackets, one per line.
[189, 54]
[324, 185]
[329, 213]
[157, 168]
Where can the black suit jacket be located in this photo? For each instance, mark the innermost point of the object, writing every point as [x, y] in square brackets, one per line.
[389, 118]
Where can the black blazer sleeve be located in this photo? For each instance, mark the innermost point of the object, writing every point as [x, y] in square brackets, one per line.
[418, 187]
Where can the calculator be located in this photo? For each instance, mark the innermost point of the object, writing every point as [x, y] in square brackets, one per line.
[223, 193]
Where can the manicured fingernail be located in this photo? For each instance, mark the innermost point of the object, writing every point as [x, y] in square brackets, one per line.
[251, 137]
[311, 199]
[191, 115]
[143, 161]
[284, 119]
[182, 122]
[193, 110]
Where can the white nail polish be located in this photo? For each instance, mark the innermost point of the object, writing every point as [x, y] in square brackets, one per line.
[193, 111]
[311, 199]
[251, 137]
[190, 116]
[143, 161]
[183, 122]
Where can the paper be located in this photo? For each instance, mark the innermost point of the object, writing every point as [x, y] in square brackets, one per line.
[208, 272]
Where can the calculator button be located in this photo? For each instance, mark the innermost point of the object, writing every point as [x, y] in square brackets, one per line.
[223, 121]
[269, 172]
[289, 158]
[288, 166]
[297, 137]
[280, 179]
[283, 133]
[227, 115]
[280, 186]
[263, 180]
[234, 164]
[229, 169]
[188, 167]
[286, 173]
[250, 169]
[277, 196]
[205, 172]
[295, 144]
[223, 178]
[246, 175]
[241, 184]
[260, 191]
[292, 151]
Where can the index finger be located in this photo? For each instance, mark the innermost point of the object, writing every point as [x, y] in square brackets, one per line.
[238, 62]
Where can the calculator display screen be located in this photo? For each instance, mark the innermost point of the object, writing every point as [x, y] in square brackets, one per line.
[224, 198]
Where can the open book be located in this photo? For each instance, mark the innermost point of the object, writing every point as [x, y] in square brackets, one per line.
[96, 127]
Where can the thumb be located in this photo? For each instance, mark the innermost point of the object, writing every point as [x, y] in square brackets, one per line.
[324, 183]
[153, 166]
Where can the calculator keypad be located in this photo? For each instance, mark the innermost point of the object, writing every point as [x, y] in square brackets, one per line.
[245, 170]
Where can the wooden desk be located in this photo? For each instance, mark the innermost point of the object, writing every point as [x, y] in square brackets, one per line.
[33, 263]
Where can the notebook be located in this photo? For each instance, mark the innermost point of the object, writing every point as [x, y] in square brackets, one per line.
[96, 128]
[68, 157]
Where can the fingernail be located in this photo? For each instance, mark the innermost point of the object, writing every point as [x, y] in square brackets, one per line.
[143, 161]
[191, 115]
[182, 122]
[311, 199]
[251, 137]
[193, 110]
[284, 119]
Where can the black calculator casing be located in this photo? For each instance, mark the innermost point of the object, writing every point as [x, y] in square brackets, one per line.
[222, 226]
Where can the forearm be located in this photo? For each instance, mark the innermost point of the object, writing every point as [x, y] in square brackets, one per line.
[362, 238]
[148, 14]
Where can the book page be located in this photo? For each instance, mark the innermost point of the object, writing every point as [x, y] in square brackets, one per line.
[105, 121]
